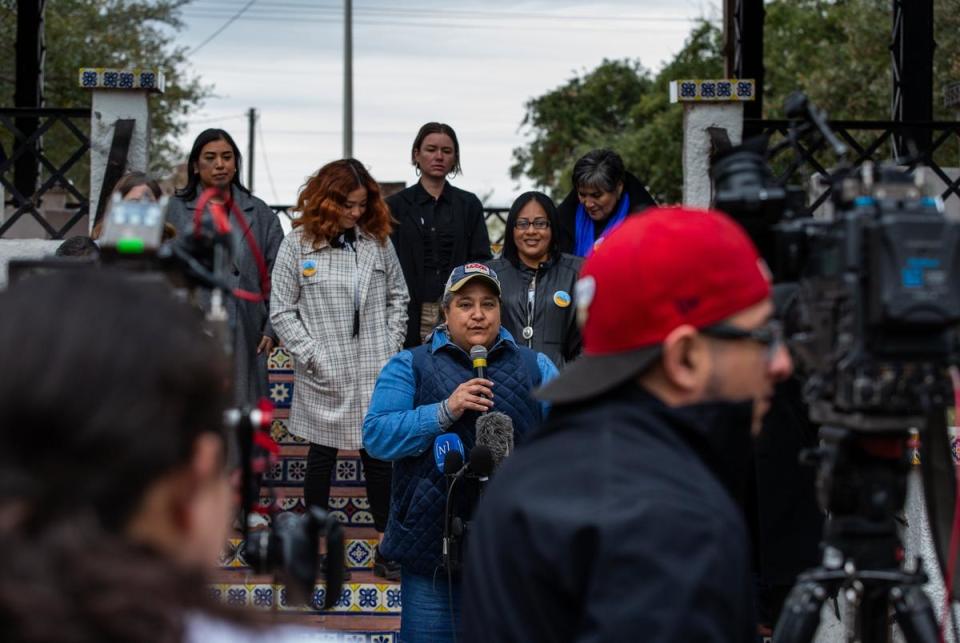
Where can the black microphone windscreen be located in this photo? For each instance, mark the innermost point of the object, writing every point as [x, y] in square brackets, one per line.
[452, 462]
[495, 431]
[481, 460]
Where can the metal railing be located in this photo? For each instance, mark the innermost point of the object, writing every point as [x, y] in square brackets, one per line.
[495, 218]
[870, 141]
[71, 142]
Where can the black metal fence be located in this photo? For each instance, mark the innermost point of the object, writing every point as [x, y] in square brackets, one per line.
[874, 141]
[58, 141]
[495, 218]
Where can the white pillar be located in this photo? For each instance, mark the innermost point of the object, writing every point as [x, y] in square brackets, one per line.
[707, 104]
[118, 94]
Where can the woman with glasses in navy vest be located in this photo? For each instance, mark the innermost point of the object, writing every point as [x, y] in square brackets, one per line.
[430, 390]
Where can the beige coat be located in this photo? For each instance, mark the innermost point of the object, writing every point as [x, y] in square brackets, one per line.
[315, 292]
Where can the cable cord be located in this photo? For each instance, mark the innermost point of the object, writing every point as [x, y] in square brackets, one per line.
[221, 223]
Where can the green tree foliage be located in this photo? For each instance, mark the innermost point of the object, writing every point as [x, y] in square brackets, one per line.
[621, 105]
[109, 33]
[837, 51]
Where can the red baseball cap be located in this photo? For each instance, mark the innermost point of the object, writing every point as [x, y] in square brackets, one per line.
[657, 271]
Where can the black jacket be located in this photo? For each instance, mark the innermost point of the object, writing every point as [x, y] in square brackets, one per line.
[468, 240]
[612, 524]
[640, 200]
[555, 331]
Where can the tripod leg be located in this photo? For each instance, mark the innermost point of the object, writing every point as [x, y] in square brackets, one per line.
[915, 615]
[800, 617]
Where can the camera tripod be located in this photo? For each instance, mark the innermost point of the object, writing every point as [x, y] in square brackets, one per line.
[862, 483]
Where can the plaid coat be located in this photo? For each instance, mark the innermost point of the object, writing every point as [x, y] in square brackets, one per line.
[315, 292]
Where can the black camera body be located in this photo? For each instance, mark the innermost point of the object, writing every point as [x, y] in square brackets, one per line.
[872, 321]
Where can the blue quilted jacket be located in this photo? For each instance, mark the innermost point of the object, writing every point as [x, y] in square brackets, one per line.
[415, 527]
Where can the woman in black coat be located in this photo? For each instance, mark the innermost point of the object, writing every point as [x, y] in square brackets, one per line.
[537, 281]
[603, 195]
[215, 163]
[438, 227]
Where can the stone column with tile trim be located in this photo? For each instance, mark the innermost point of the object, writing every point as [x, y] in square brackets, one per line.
[707, 104]
[118, 94]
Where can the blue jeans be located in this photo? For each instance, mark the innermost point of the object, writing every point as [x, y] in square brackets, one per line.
[425, 614]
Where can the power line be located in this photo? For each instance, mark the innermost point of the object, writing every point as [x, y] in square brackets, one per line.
[440, 25]
[215, 119]
[335, 10]
[266, 163]
[220, 30]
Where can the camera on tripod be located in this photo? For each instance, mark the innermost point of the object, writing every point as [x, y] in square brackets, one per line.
[871, 319]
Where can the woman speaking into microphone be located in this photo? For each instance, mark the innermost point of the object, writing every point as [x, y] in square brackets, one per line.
[429, 390]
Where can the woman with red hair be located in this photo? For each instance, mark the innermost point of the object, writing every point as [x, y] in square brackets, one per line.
[339, 305]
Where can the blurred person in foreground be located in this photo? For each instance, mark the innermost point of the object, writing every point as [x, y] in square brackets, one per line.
[115, 487]
[429, 390]
[620, 517]
[537, 280]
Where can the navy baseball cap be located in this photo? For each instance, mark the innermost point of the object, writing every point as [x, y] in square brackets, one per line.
[462, 275]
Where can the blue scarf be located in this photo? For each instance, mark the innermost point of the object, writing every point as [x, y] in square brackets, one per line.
[585, 240]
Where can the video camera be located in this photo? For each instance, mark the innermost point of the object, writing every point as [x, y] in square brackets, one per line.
[873, 323]
[871, 311]
[198, 266]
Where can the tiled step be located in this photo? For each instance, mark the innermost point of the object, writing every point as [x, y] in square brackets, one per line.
[350, 506]
[369, 607]
[364, 594]
[358, 554]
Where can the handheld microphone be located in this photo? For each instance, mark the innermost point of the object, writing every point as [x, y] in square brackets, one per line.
[443, 445]
[495, 432]
[452, 463]
[478, 355]
[481, 462]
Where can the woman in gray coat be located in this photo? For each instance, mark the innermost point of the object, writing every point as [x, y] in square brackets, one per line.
[215, 163]
[339, 305]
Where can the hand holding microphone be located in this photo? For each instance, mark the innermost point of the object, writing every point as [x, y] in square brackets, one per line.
[472, 395]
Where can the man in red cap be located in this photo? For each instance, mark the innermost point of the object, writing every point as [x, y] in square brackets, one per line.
[619, 519]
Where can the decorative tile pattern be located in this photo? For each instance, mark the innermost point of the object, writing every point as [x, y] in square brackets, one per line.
[355, 598]
[291, 470]
[281, 394]
[359, 554]
[151, 80]
[351, 511]
[726, 90]
[280, 361]
[279, 433]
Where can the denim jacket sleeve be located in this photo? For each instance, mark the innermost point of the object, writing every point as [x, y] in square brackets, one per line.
[548, 371]
[393, 428]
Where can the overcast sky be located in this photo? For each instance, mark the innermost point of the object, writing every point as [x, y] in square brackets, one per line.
[471, 64]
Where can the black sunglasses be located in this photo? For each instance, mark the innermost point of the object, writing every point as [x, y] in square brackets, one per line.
[770, 334]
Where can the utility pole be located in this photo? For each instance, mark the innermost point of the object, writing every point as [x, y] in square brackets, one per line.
[347, 79]
[251, 137]
[28, 94]
[912, 48]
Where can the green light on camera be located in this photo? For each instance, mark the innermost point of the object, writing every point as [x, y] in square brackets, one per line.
[131, 246]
